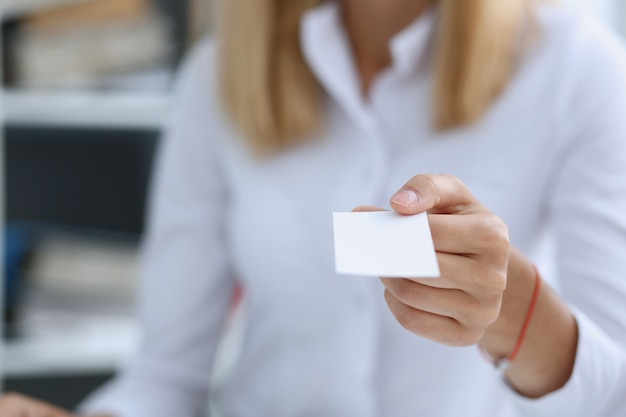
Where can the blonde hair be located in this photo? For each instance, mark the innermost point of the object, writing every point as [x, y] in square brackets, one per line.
[273, 98]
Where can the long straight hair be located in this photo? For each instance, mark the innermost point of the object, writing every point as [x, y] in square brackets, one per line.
[271, 95]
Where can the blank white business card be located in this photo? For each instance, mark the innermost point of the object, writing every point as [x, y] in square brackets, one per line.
[384, 244]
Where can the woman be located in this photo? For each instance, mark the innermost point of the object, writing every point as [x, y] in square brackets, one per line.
[302, 108]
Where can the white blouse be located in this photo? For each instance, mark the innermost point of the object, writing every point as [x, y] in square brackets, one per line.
[549, 158]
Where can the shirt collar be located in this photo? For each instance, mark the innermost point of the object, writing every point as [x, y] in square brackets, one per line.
[411, 47]
[326, 48]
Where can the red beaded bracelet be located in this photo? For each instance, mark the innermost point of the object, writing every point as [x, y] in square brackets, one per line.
[504, 363]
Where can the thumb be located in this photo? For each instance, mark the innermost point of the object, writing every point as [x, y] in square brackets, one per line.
[444, 194]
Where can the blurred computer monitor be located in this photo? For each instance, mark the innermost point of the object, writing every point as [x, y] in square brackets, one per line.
[78, 180]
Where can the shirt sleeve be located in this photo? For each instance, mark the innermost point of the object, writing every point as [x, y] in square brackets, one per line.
[185, 285]
[587, 203]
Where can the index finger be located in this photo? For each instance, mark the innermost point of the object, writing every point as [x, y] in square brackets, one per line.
[445, 194]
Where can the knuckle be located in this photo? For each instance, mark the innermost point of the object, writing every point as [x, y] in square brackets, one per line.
[429, 182]
[499, 281]
[429, 179]
[493, 281]
[494, 229]
[489, 311]
[492, 237]
[454, 180]
[500, 232]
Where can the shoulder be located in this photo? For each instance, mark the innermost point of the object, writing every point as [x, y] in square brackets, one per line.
[583, 45]
[196, 96]
[197, 107]
[580, 65]
[197, 73]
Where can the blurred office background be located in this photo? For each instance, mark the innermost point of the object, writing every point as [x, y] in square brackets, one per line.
[86, 90]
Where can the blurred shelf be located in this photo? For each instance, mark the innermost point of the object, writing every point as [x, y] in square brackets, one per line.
[84, 347]
[15, 9]
[106, 110]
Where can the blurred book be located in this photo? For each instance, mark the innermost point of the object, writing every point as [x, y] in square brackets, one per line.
[85, 14]
[82, 44]
[86, 267]
[14, 9]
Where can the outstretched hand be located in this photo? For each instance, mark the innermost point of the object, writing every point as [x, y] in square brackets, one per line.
[472, 248]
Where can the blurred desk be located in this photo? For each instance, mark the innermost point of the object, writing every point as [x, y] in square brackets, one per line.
[68, 345]
[63, 356]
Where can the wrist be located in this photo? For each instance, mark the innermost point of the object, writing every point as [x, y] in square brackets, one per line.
[504, 338]
[548, 350]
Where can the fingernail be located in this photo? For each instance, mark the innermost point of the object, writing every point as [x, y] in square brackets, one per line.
[405, 198]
